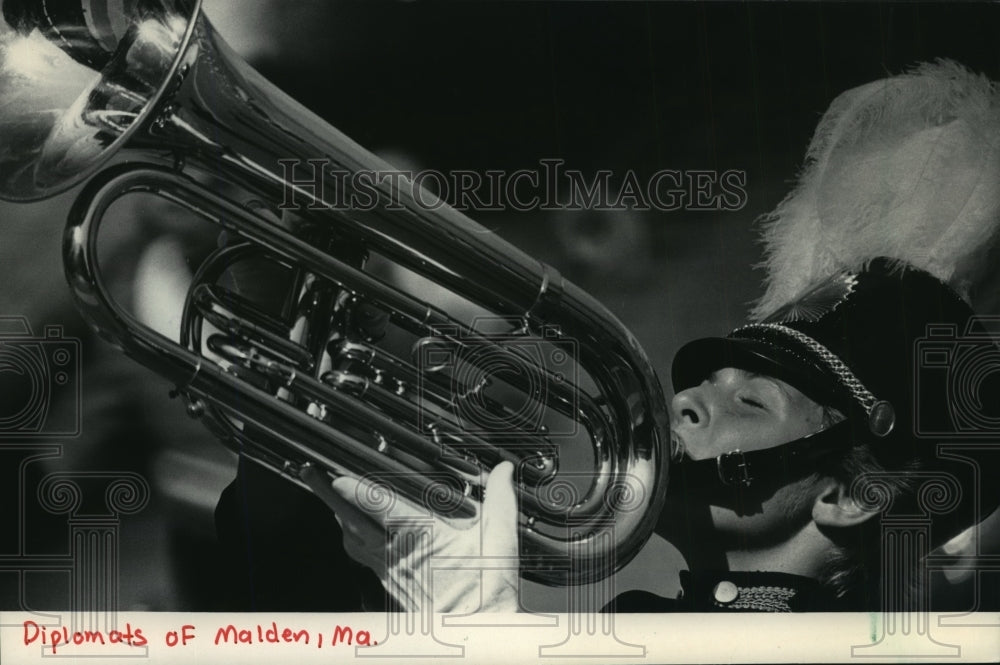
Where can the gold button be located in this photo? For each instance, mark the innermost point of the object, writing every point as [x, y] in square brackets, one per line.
[726, 592]
[881, 418]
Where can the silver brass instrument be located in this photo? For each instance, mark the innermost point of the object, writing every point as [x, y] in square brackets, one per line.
[353, 373]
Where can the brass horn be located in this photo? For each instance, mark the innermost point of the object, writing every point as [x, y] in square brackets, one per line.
[353, 372]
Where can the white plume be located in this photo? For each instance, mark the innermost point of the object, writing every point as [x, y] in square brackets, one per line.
[906, 167]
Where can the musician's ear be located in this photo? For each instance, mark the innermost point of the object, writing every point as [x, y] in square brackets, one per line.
[835, 507]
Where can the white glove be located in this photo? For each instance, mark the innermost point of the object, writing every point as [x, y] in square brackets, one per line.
[403, 565]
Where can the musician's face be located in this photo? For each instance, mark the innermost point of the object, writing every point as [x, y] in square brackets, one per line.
[732, 410]
[735, 409]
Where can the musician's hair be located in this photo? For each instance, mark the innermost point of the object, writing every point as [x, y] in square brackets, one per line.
[853, 569]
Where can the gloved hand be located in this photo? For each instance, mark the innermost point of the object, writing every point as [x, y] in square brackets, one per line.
[403, 564]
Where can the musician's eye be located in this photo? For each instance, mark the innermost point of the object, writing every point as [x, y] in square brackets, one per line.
[753, 403]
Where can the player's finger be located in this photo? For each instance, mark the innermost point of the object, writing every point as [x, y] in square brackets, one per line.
[339, 496]
[500, 513]
[377, 499]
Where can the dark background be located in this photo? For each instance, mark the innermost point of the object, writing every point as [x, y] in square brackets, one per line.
[641, 86]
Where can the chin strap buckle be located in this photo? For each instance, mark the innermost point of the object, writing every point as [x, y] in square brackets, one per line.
[733, 469]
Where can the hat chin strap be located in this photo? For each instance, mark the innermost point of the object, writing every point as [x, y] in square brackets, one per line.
[742, 469]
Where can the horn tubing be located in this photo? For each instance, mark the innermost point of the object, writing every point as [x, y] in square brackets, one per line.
[313, 440]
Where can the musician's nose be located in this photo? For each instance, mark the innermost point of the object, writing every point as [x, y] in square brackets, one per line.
[690, 408]
[694, 412]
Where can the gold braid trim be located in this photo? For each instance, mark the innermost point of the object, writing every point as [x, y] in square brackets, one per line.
[844, 375]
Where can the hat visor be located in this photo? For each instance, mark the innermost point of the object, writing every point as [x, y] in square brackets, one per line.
[695, 362]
